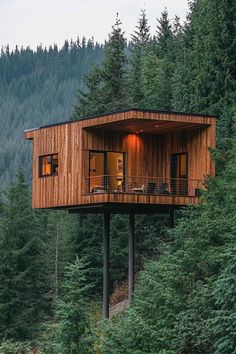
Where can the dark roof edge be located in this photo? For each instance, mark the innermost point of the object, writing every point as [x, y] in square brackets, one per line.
[127, 110]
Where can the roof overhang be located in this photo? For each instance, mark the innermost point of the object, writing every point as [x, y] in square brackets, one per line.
[146, 126]
[150, 122]
[137, 120]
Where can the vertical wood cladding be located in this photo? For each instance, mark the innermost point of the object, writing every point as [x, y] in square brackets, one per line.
[145, 155]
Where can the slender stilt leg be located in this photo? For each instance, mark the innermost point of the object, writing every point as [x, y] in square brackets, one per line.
[131, 256]
[106, 228]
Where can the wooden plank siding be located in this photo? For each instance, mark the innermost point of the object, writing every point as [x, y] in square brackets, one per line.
[146, 154]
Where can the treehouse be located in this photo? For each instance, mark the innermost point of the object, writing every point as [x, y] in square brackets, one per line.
[131, 161]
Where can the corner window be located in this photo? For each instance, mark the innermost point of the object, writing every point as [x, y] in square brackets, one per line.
[48, 165]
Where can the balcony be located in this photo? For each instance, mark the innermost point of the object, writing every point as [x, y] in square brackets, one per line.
[143, 185]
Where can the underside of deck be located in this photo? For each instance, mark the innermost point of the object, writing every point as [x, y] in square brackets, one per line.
[116, 208]
[126, 203]
[141, 199]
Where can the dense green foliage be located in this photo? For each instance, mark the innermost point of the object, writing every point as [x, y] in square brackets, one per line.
[140, 41]
[184, 301]
[106, 84]
[10, 347]
[74, 335]
[38, 88]
[22, 305]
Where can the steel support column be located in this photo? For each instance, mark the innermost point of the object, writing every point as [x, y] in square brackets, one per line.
[131, 256]
[106, 229]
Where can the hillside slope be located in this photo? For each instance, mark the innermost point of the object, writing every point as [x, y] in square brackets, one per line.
[37, 88]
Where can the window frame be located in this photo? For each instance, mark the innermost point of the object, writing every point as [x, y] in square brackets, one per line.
[105, 152]
[52, 174]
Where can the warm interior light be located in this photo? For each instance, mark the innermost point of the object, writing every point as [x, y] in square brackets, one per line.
[157, 125]
[133, 142]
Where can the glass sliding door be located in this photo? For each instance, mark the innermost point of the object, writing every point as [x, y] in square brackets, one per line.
[179, 174]
[96, 172]
[115, 171]
[106, 172]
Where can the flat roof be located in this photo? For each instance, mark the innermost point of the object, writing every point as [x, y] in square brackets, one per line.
[124, 111]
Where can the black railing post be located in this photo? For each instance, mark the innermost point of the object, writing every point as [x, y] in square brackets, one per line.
[131, 255]
[106, 229]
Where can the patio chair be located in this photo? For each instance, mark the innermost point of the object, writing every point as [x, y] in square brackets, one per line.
[164, 188]
[151, 188]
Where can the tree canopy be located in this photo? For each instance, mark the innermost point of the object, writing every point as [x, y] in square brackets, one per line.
[184, 297]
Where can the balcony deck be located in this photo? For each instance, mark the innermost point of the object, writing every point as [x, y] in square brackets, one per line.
[140, 194]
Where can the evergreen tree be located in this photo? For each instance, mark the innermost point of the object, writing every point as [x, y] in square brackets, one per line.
[140, 41]
[105, 86]
[22, 305]
[166, 55]
[37, 88]
[141, 35]
[184, 301]
[181, 78]
[61, 230]
[209, 62]
[74, 334]
[181, 75]
[87, 245]
[178, 30]
[222, 322]
[91, 99]
[157, 70]
[115, 69]
[164, 34]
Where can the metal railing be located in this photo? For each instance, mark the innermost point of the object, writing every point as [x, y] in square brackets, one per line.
[143, 185]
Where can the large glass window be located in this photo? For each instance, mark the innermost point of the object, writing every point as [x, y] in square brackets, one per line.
[48, 165]
[97, 172]
[179, 174]
[106, 171]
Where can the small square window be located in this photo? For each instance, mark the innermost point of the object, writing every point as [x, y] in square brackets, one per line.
[48, 165]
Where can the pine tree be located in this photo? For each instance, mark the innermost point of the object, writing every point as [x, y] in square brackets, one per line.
[185, 299]
[140, 41]
[149, 80]
[210, 60]
[222, 321]
[166, 55]
[105, 86]
[115, 69]
[91, 100]
[21, 269]
[181, 75]
[141, 35]
[74, 334]
[157, 70]
[164, 34]
[61, 230]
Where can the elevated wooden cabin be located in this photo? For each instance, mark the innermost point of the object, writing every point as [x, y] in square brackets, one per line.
[132, 159]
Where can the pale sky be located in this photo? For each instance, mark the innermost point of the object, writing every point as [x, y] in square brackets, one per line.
[31, 22]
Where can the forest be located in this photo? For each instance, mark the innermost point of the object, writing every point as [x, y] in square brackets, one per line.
[36, 88]
[51, 261]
